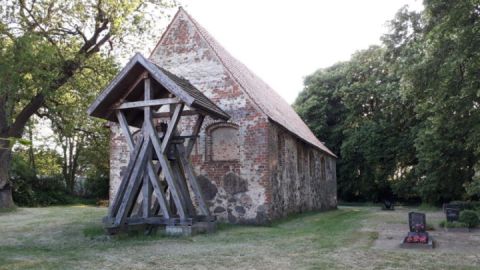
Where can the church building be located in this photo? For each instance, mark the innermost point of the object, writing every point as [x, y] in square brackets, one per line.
[264, 162]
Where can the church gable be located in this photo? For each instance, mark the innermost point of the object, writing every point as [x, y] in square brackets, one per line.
[189, 42]
[184, 51]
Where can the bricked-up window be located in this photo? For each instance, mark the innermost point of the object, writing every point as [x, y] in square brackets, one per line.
[223, 142]
[311, 158]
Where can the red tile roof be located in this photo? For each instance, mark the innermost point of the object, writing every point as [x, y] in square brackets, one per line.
[267, 99]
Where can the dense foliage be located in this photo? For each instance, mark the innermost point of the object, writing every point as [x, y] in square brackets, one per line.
[404, 117]
[470, 218]
[55, 56]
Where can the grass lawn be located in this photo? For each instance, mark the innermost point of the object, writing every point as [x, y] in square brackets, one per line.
[71, 237]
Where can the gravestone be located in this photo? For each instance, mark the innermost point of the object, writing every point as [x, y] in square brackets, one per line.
[388, 205]
[417, 222]
[388, 198]
[417, 237]
[453, 214]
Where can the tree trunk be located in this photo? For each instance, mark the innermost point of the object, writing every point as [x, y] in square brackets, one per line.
[6, 200]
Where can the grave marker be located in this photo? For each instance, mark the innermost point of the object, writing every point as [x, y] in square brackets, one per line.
[417, 237]
[453, 214]
[417, 222]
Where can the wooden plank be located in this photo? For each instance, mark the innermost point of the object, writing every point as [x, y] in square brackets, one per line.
[140, 78]
[172, 126]
[137, 203]
[122, 120]
[133, 157]
[166, 168]
[169, 114]
[112, 210]
[153, 102]
[147, 195]
[166, 82]
[157, 189]
[195, 132]
[120, 76]
[147, 185]
[190, 174]
[134, 184]
[183, 188]
[155, 207]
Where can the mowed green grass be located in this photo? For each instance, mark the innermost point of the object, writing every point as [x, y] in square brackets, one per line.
[71, 237]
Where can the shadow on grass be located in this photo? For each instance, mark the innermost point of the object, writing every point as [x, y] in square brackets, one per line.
[328, 228]
[323, 230]
[8, 210]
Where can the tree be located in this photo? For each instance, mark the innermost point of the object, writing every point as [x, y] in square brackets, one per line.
[75, 133]
[357, 106]
[439, 56]
[406, 115]
[45, 43]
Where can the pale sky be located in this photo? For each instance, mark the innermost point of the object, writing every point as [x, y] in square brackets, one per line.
[284, 41]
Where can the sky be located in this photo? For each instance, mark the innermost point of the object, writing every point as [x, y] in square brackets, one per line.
[284, 41]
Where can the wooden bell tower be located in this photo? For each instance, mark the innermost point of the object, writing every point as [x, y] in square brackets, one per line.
[159, 187]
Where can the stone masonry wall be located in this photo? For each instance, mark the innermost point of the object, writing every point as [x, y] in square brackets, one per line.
[302, 177]
[119, 155]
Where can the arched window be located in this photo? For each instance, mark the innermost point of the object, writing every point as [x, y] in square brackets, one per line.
[223, 142]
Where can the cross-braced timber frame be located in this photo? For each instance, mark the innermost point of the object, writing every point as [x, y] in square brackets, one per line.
[159, 186]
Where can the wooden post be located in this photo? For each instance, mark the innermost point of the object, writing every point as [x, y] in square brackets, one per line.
[151, 172]
[172, 126]
[166, 168]
[196, 131]
[133, 185]
[112, 211]
[183, 187]
[189, 173]
[147, 186]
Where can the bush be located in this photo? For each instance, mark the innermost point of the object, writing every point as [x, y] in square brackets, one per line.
[97, 186]
[30, 190]
[470, 218]
[454, 224]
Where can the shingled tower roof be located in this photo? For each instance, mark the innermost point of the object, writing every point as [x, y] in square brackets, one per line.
[267, 99]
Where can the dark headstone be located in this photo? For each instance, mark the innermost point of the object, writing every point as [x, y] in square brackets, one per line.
[388, 205]
[453, 214]
[234, 184]
[417, 237]
[417, 222]
[452, 206]
[387, 197]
